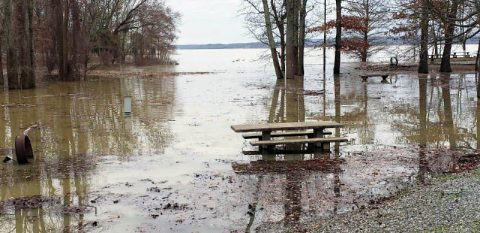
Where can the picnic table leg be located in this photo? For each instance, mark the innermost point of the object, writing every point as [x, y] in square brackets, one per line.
[384, 79]
[318, 133]
[326, 146]
[266, 136]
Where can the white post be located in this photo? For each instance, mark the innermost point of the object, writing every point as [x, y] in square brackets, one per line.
[127, 105]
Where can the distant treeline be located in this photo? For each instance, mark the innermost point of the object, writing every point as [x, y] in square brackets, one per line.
[308, 43]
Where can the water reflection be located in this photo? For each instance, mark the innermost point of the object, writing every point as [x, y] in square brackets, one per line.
[401, 131]
[299, 171]
[396, 132]
[422, 160]
[79, 123]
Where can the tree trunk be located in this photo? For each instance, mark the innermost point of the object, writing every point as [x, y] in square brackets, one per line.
[296, 26]
[423, 63]
[12, 64]
[283, 51]
[75, 40]
[445, 66]
[435, 43]
[477, 58]
[1, 65]
[301, 36]
[58, 10]
[364, 49]
[338, 37]
[324, 38]
[291, 60]
[280, 23]
[31, 47]
[61, 30]
[25, 33]
[271, 40]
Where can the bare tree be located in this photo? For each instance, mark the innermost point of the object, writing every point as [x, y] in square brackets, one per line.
[2, 31]
[271, 40]
[338, 37]
[302, 14]
[288, 20]
[20, 69]
[445, 66]
[292, 52]
[423, 63]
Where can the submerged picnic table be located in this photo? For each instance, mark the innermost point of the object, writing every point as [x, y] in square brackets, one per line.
[265, 133]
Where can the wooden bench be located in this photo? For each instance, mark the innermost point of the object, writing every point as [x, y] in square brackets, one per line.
[324, 142]
[258, 135]
[366, 76]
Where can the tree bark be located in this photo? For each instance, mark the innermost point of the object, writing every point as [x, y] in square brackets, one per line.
[477, 59]
[301, 36]
[423, 63]
[61, 31]
[25, 38]
[31, 52]
[20, 70]
[364, 49]
[291, 60]
[338, 37]
[12, 65]
[1, 65]
[271, 40]
[296, 26]
[445, 66]
[435, 43]
[324, 38]
[280, 23]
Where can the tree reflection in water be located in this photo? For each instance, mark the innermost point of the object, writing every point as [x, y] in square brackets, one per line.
[75, 131]
[288, 105]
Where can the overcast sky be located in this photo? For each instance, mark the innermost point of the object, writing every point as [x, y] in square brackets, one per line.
[210, 21]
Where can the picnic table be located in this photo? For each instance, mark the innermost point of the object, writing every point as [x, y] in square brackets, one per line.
[383, 75]
[461, 54]
[313, 133]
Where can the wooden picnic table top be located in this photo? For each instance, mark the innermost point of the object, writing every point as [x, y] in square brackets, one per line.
[285, 126]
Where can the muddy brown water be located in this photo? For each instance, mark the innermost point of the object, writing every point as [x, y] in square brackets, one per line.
[174, 164]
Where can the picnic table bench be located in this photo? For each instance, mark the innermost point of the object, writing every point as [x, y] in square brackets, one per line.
[313, 133]
[258, 135]
[461, 54]
[453, 55]
[383, 75]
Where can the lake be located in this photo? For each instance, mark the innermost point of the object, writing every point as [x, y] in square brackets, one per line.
[174, 164]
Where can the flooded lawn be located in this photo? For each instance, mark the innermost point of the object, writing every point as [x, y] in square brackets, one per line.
[174, 164]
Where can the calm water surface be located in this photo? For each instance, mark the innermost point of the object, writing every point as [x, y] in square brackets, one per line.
[174, 164]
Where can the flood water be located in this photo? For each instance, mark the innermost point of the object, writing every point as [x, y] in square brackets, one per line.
[174, 164]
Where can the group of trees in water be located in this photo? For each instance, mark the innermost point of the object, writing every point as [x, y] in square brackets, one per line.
[362, 28]
[65, 36]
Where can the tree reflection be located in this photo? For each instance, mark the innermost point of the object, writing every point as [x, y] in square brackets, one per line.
[447, 105]
[297, 172]
[78, 122]
[422, 162]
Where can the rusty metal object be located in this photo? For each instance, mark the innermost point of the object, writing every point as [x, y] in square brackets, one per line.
[23, 149]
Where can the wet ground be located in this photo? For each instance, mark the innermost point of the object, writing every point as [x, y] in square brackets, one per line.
[174, 164]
